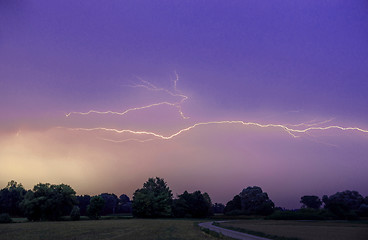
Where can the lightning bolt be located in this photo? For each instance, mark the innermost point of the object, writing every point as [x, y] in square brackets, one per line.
[126, 111]
[310, 123]
[288, 130]
[149, 86]
[294, 130]
[127, 140]
[330, 127]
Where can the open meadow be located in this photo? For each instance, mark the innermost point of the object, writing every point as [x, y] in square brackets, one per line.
[137, 229]
[304, 230]
[174, 229]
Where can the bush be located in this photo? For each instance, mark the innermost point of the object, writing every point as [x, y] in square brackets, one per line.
[5, 218]
[75, 213]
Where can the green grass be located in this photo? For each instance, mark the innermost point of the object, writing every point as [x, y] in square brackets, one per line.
[256, 233]
[137, 229]
[175, 229]
[215, 234]
[303, 230]
[108, 217]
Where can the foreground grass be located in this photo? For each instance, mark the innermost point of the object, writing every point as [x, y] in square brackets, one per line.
[137, 229]
[255, 233]
[304, 230]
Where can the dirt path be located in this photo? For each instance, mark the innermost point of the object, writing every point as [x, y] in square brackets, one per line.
[230, 233]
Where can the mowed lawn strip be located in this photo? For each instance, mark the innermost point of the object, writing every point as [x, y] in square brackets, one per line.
[305, 230]
[137, 229]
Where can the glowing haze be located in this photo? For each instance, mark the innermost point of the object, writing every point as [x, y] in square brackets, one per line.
[210, 95]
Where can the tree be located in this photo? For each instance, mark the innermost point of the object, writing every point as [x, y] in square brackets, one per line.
[111, 203]
[83, 202]
[345, 204]
[218, 208]
[124, 204]
[180, 206]
[193, 204]
[311, 202]
[255, 201]
[363, 210]
[75, 213]
[252, 200]
[95, 207]
[233, 207]
[32, 206]
[10, 198]
[201, 205]
[48, 202]
[153, 200]
[123, 199]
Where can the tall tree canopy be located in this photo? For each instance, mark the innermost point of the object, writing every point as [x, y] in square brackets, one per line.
[233, 206]
[255, 201]
[218, 208]
[48, 202]
[83, 202]
[111, 203]
[193, 204]
[344, 204]
[311, 202]
[10, 198]
[153, 200]
[95, 207]
[252, 200]
[124, 204]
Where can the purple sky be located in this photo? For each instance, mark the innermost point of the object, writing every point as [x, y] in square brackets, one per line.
[267, 62]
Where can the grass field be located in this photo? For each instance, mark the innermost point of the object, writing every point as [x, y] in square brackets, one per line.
[137, 229]
[305, 230]
[171, 229]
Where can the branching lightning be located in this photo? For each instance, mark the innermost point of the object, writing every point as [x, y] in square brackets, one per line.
[288, 130]
[311, 123]
[124, 112]
[127, 140]
[149, 86]
[294, 130]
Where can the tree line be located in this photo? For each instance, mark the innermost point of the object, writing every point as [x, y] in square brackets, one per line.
[52, 202]
[348, 205]
[155, 199]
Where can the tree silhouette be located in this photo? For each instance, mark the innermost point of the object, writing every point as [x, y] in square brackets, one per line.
[95, 207]
[153, 200]
[311, 202]
[48, 202]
